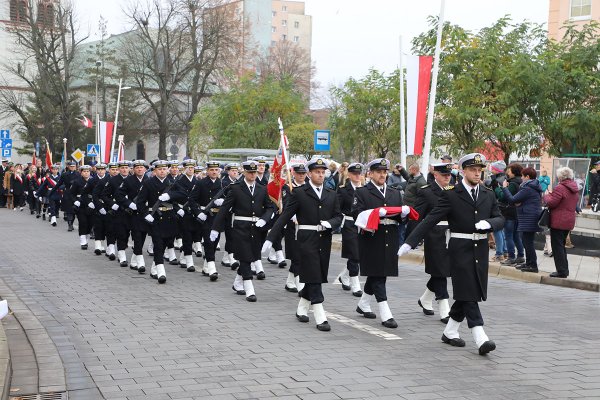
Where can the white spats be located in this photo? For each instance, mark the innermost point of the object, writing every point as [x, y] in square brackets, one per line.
[444, 308]
[153, 269]
[98, 245]
[110, 249]
[53, 220]
[151, 248]
[299, 285]
[365, 302]
[140, 261]
[189, 261]
[210, 268]
[479, 335]
[344, 277]
[384, 311]
[303, 307]
[83, 240]
[253, 266]
[134, 261]
[291, 281]
[319, 312]
[279, 257]
[272, 256]
[171, 254]
[355, 284]
[160, 272]
[427, 299]
[249, 288]
[238, 283]
[122, 256]
[225, 259]
[258, 265]
[451, 330]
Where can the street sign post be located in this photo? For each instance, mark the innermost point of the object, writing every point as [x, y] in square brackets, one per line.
[93, 150]
[4, 134]
[6, 153]
[77, 155]
[6, 143]
[322, 140]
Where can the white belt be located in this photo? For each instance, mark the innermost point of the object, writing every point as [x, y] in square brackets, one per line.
[386, 221]
[202, 208]
[442, 223]
[249, 219]
[470, 236]
[318, 228]
[348, 218]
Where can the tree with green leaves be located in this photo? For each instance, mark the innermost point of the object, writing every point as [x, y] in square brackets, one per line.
[365, 120]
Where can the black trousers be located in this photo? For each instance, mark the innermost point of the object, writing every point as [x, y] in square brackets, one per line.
[209, 246]
[353, 267]
[139, 237]
[466, 309]
[85, 223]
[160, 244]
[245, 271]
[188, 237]
[530, 254]
[439, 285]
[18, 200]
[558, 239]
[111, 236]
[375, 285]
[54, 206]
[313, 292]
[121, 233]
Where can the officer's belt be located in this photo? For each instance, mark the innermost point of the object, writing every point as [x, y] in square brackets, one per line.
[442, 223]
[317, 228]
[386, 221]
[469, 236]
[168, 207]
[348, 218]
[249, 219]
[212, 210]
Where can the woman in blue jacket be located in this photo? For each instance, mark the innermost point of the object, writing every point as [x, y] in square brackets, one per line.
[528, 201]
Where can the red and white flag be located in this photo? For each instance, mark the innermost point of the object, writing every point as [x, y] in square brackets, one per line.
[48, 156]
[106, 133]
[85, 121]
[418, 82]
[121, 153]
[369, 220]
[274, 187]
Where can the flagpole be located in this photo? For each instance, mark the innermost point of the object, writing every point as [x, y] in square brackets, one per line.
[64, 152]
[436, 64]
[114, 137]
[402, 114]
[287, 158]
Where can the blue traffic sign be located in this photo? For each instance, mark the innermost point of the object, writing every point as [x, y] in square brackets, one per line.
[322, 140]
[6, 143]
[4, 134]
[93, 150]
[6, 153]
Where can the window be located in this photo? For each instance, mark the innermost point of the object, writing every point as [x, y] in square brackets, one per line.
[273, 43]
[18, 10]
[581, 9]
[45, 13]
[273, 29]
[296, 39]
[284, 22]
[283, 37]
[283, 8]
[274, 13]
[296, 24]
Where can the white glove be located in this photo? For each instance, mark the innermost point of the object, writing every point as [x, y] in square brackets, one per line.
[326, 224]
[40, 198]
[405, 211]
[133, 206]
[202, 217]
[115, 207]
[34, 194]
[260, 223]
[382, 212]
[214, 235]
[102, 211]
[218, 202]
[404, 249]
[149, 218]
[266, 246]
[180, 212]
[164, 197]
[294, 220]
[76, 203]
[91, 205]
[483, 225]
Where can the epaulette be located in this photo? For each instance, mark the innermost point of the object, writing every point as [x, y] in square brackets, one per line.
[449, 187]
[425, 186]
[488, 188]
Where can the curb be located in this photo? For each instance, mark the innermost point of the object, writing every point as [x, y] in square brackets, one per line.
[504, 272]
[5, 365]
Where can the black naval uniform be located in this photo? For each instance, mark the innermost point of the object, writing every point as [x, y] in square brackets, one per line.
[118, 216]
[81, 190]
[190, 229]
[291, 245]
[102, 222]
[349, 231]
[202, 194]
[125, 196]
[64, 182]
[49, 190]
[229, 238]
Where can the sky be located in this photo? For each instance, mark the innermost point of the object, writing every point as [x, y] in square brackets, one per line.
[351, 36]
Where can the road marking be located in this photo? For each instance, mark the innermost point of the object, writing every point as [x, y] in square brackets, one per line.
[360, 326]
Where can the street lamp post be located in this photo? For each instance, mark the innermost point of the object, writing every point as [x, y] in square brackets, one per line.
[98, 64]
[114, 136]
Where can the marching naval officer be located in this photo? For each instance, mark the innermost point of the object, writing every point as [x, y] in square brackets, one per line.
[471, 211]
[317, 211]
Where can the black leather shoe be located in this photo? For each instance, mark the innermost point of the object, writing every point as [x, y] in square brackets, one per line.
[162, 279]
[191, 268]
[112, 257]
[235, 265]
[123, 264]
[260, 276]
[456, 342]
[271, 261]
[425, 311]
[486, 347]
[84, 247]
[283, 264]
[291, 289]
[37, 216]
[183, 265]
[141, 269]
[357, 294]
[150, 253]
[153, 276]
[445, 320]
[557, 275]
[240, 292]
[345, 287]
[324, 327]
[134, 267]
[214, 276]
[174, 261]
[366, 314]
[199, 254]
[302, 318]
[390, 323]
[251, 298]
[223, 263]
[98, 252]
[530, 269]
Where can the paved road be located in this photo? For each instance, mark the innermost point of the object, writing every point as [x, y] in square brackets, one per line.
[122, 336]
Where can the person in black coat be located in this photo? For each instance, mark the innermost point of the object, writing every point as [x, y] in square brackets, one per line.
[377, 250]
[115, 213]
[317, 211]
[437, 264]
[250, 207]
[125, 198]
[172, 177]
[81, 193]
[228, 260]
[18, 187]
[51, 193]
[472, 212]
[262, 177]
[200, 198]
[153, 203]
[64, 184]
[349, 276]
[101, 229]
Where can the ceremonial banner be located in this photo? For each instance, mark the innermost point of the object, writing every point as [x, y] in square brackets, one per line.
[106, 133]
[274, 187]
[48, 156]
[418, 82]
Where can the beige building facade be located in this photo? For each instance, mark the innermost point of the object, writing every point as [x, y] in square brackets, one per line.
[289, 22]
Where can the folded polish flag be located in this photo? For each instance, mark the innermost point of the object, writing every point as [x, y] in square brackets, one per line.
[368, 220]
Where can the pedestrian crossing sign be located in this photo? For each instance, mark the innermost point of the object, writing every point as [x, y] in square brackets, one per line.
[93, 150]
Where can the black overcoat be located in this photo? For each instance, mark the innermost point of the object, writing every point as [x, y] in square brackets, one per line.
[378, 251]
[81, 190]
[315, 247]
[165, 222]
[125, 195]
[64, 182]
[180, 193]
[349, 231]
[468, 258]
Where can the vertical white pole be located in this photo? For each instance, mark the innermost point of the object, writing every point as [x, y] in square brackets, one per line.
[114, 136]
[436, 64]
[402, 113]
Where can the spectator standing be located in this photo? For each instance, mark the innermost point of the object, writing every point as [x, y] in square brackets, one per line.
[544, 180]
[498, 177]
[562, 202]
[594, 182]
[528, 201]
[395, 178]
[509, 211]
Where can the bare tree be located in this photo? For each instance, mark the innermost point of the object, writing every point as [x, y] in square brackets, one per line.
[46, 38]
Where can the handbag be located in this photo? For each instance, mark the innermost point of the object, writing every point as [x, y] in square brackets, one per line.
[544, 219]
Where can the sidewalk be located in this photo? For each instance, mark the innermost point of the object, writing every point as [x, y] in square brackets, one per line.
[584, 271]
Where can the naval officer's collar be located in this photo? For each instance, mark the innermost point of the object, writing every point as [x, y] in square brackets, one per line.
[161, 180]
